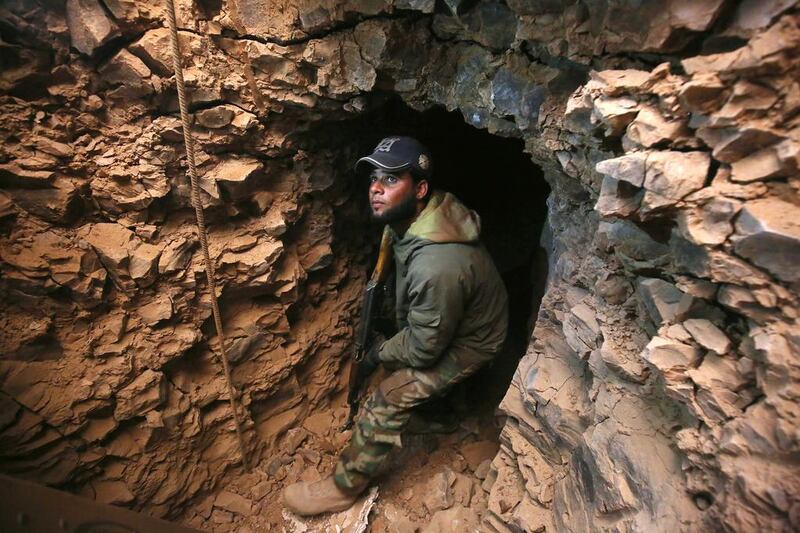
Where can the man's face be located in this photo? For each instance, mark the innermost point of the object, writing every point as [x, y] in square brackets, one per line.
[392, 196]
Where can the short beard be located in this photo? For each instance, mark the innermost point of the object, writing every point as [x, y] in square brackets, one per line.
[405, 210]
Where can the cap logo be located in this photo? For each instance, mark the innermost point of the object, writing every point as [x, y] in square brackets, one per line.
[424, 162]
[386, 144]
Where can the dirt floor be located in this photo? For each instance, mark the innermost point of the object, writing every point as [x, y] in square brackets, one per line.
[432, 473]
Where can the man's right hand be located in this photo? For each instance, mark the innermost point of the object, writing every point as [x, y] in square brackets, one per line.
[370, 363]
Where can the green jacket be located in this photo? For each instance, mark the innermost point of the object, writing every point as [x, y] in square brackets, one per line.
[449, 294]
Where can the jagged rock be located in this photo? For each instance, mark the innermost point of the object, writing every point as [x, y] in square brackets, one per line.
[634, 246]
[89, 26]
[671, 359]
[234, 503]
[578, 113]
[476, 453]
[6, 206]
[396, 520]
[621, 81]
[663, 300]
[772, 162]
[113, 492]
[111, 242]
[615, 113]
[439, 492]
[618, 198]
[129, 261]
[623, 359]
[463, 490]
[176, 256]
[492, 25]
[699, 288]
[701, 92]
[216, 117]
[319, 423]
[581, 329]
[761, 54]
[294, 438]
[154, 48]
[128, 73]
[630, 168]
[147, 391]
[676, 174]
[458, 518]
[613, 289]
[730, 144]
[709, 224]
[236, 177]
[735, 297]
[512, 94]
[156, 311]
[718, 382]
[59, 204]
[53, 148]
[667, 177]
[708, 335]
[143, 266]
[13, 175]
[650, 128]
[768, 234]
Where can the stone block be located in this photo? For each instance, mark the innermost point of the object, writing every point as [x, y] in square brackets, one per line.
[581, 329]
[476, 453]
[439, 492]
[129, 73]
[768, 235]
[709, 224]
[651, 128]
[637, 247]
[672, 359]
[176, 256]
[156, 311]
[707, 335]
[615, 113]
[233, 503]
[618, 198]
[458, 518]
[676, 174]
[718, 381]
[147, 391]
[89, 26]
[663, 300]
[629, 168]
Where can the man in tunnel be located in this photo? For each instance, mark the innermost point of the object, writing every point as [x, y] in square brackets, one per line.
[451, 309]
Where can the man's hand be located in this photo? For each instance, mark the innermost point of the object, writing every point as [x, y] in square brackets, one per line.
[371, 360]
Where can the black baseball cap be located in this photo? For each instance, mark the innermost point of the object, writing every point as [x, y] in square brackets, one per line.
[398, 153]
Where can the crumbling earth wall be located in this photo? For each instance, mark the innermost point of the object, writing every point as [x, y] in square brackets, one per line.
[660, 388]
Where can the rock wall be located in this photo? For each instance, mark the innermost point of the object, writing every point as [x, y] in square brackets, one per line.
[660, 388]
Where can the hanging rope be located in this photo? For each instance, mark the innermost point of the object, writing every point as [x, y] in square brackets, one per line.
[188, 140]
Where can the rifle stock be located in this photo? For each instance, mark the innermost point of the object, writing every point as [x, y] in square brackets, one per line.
[370, 306]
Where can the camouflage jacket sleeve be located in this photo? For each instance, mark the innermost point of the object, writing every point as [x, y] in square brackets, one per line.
[436, 300]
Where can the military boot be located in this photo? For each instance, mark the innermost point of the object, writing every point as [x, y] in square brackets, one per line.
[311, 498]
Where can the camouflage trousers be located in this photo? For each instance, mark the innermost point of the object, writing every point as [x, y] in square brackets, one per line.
[386, 412]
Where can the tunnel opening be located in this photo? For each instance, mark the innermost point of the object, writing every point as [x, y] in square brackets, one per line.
[494, 176]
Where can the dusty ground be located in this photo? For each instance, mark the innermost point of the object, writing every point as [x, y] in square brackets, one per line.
[430, 474]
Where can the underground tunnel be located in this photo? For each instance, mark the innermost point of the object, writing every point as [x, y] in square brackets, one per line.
[634, 165]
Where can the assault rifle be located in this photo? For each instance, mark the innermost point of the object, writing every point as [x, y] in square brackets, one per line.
[370, 307]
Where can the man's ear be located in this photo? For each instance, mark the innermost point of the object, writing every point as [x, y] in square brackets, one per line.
[422, 189]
